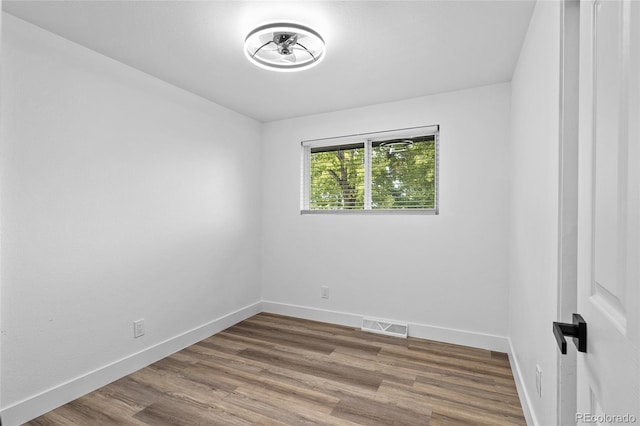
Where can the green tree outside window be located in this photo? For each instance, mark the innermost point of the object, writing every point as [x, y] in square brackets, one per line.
[403, 175]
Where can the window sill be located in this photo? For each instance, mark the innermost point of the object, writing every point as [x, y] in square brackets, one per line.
[372, 212]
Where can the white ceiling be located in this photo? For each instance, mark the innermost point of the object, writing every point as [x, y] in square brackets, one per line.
[376, 51]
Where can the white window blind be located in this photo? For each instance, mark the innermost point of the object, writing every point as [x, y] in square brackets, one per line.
[392, 172]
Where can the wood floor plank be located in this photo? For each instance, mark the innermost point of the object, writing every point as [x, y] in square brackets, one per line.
[316, 383]
[374, 412]
[274, 335]
[384, 372]
[483, 401]
[494, 393]
[172, 412]
[329, 370]
[271, 404]
[276, 370]
[327, 338]
[107, 409]
[132, 391]
[457, 411]
[450, 361]
[484, 384]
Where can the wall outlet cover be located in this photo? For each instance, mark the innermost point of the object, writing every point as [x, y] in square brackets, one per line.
[138, 328]
[324, 292]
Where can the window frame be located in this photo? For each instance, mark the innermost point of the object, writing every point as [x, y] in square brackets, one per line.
[367, 139]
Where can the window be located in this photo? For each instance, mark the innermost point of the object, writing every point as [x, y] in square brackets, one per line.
[390, 172]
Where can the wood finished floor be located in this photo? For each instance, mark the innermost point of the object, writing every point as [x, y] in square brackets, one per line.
[276, 370]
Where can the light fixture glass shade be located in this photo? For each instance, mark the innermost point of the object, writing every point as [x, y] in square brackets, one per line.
[284, 47]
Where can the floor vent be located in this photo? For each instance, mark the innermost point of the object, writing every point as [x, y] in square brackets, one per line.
[389, 328]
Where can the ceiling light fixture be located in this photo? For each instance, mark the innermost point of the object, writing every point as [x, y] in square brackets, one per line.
[284, 47]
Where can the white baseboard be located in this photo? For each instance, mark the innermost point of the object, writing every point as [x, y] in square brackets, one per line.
[46, 401]
[525, 399]
[423, 331]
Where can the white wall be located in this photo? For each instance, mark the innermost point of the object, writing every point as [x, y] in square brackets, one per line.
[448, 271]
[534, 209]
[122, 198]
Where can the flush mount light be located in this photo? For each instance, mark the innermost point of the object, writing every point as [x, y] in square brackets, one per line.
[284, 47]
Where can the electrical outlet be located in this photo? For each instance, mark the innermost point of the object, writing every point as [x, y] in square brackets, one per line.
[324, 292]
[138, 328]
[539, 381]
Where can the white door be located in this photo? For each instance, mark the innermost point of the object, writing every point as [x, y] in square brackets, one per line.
[608, 374]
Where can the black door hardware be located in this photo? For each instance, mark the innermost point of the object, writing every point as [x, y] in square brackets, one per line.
[577, 330]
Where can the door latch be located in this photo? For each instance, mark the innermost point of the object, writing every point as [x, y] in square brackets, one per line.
[577, 330]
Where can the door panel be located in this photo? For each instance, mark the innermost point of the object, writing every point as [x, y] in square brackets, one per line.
[608, 237]
[609, 141]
